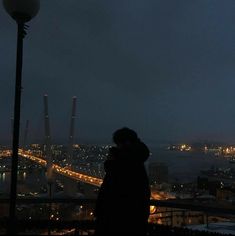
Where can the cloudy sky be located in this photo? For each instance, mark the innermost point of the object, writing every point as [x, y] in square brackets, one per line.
[165, 68]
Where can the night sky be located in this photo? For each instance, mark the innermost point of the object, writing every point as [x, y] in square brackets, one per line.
[165, 68]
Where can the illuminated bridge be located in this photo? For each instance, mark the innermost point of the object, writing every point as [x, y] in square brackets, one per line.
[70, 173]
[62, 170]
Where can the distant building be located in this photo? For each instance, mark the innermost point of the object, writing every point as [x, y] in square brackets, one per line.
[203, 183]
[158, 172]
[225, 194]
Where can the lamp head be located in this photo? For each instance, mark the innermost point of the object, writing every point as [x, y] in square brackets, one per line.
[22, 10]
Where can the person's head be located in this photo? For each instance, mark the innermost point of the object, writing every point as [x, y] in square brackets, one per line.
[125, 136]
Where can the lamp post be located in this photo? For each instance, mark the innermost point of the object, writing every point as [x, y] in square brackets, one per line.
[21, 11]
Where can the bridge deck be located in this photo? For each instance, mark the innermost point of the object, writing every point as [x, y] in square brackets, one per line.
[62, 170]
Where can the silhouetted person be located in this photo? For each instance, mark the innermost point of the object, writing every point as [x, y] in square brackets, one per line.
[123, 202]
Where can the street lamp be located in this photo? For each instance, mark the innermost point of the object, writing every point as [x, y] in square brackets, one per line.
[21, 11]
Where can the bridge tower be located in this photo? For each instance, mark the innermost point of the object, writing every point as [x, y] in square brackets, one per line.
[25, 135]
[48, 154]
[70, 187]
[71, 133]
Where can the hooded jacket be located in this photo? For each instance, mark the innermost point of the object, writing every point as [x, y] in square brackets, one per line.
[123, 201]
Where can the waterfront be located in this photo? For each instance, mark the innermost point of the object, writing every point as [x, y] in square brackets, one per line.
[183, 166]
[186, 166]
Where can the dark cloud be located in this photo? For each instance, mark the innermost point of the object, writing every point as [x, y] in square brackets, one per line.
[164, 68]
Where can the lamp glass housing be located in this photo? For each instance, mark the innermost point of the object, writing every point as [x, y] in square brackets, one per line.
[23, 10]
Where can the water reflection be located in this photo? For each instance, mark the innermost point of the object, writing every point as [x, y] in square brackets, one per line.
[187, 166]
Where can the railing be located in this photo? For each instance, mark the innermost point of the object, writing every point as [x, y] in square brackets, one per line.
[46, 222]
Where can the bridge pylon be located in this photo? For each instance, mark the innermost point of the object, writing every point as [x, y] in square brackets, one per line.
[71, 134]
[48, 154]
[26, 131]
[70, 188]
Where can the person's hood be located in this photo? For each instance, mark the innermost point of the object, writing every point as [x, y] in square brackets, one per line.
[135, 153]
[140, 152]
